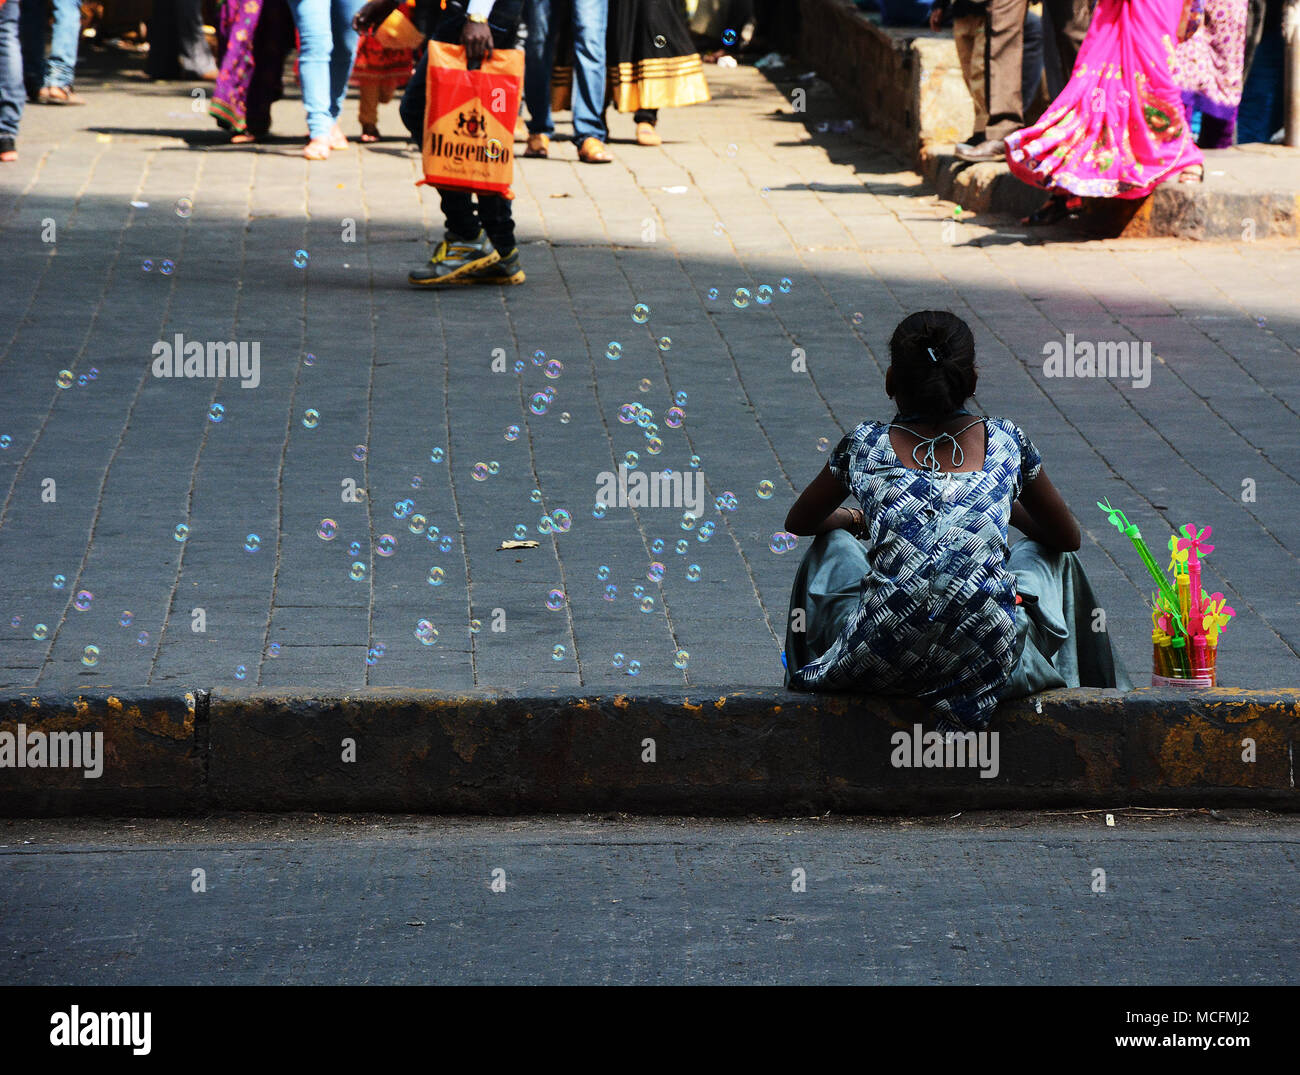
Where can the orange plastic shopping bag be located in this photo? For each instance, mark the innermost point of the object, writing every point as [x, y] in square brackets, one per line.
[469, 120]
[398, 30]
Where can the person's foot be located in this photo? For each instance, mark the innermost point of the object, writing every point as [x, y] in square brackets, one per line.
[992, 150]
[505, 270]
[593, 151]
[539, 145]
[976, 139]
[317, 149]
[646, 135]
[242, 138]
[58, 95]
[454, 260]
[1057, 208]
[8, 149]
[1192, 174]
[369, 132]
[337, 139]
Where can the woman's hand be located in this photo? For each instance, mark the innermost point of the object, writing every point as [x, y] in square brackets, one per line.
[372, 14]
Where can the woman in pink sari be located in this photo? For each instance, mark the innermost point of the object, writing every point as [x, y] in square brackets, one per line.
[1118, 128]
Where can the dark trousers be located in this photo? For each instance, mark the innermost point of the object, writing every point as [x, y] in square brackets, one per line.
[492, 212]
[1069, 19]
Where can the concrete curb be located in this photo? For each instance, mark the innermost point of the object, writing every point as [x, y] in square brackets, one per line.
[716, 752]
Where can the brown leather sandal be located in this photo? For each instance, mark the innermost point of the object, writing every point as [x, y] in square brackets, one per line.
[539, 145]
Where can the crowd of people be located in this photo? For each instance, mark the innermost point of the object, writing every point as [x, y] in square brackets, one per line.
[1144, 88]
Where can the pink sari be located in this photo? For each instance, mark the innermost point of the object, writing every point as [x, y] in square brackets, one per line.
[1118, 129]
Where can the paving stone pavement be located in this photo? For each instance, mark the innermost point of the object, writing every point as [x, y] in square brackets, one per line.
[744, 192]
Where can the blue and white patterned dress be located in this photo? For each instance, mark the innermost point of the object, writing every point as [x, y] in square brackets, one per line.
[936, 614]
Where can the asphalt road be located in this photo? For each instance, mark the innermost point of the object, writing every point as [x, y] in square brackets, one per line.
[1190, 898]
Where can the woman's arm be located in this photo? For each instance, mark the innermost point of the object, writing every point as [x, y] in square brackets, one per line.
[1042, 515]
[818, 508]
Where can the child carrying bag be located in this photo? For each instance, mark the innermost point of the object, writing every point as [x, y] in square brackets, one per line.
[469, 120]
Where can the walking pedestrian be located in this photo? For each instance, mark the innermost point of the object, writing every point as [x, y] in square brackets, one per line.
[178, 47]
[1209, 68]
[13, 93]
[255, 37]
[1118, 128]
[652, 63]
[551, 24]
[478, 245]
[327, 46]
[49, 78]
[1004, 50]
[915, 592]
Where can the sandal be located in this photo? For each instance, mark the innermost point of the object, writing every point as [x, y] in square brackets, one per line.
[58, 95]
[337, 139]
[369, 133]
[539, 145]
[1193, 173]
[593, 151]
[317, 149]
[1057, 208]
[8, 149]
[646, 135]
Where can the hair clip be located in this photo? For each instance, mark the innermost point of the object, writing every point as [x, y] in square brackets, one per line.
[933, 357]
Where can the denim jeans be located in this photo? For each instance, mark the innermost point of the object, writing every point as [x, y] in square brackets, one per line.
[327, 47]
[590, 19]
[13, 95]
[492, 213]
[61, 65]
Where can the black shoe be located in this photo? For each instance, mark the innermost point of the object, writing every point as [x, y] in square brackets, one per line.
[506, 270]
[454, 260]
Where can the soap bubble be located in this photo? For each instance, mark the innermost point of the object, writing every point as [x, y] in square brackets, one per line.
[741, 299]
[726, 502]
[614, 351]
[765, 490]
[713, 294]
[554, 368]
[494, 148]
[857, 319]
[184, 207]
[764, 294]
[446, 543]
[633, 668]
[82, 601]
[611, 592]
[688, 520]
[680, 399]
[494, 467]
[618, 660]
[426, 632]
[359, 453]
[555, 600]
[718, 227]
[539, 356]
[354, 550]
[309, 359]
[300, 258]
[785, 285]
[521, 531]
[40, 631]
[403, 508]
[373, 655]
[539, 403]
[59, 582]
[181, 532]
[640, 313]
[358, 571]
[416, 481]
[660, 41]
[782, 541]
[5, 440]
[665, 343]
[822, 444]
[638, 591]
[311, 418]
[693, 573]
[695, 462]
[252, 543]
[561, 520]
[90, 656]
[512, 433]
[436, 455]
[480, 472]
[732, 149]
[674, 418]
[645, 386]
[216, 412]
[602, 572]
[557, 653]
[436, 576]
[166, 267]
[705, 532]
[142, 639]
[656, 572]
[631, 459]
[535, 496]
[647, 603]
[416, 525]
[728, 37]
[519, 365]
[681, 659]
[657, 546]
[565, 416]
[273, 649]
[654, 446]
[241, 672]
[147, 265]
[682, 546]
[475, 626]
[64, 379]
[126, 618]
[386, 545]
[545, 525]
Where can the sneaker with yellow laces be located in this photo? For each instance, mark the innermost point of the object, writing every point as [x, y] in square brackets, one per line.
[454, 260]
